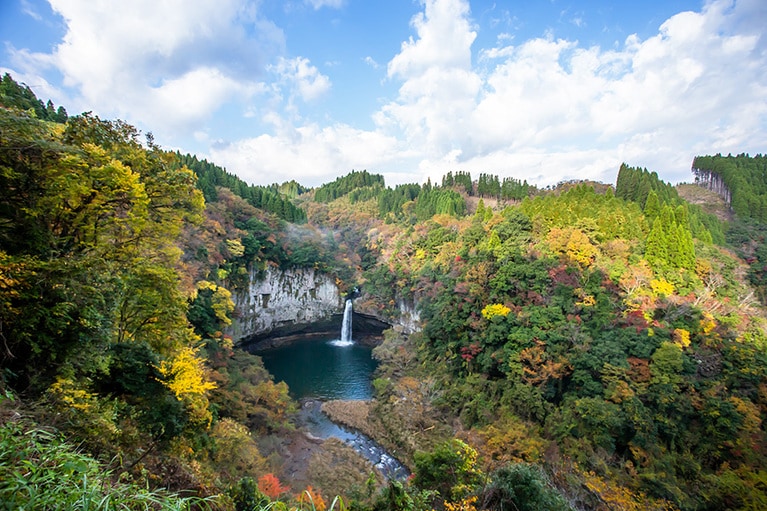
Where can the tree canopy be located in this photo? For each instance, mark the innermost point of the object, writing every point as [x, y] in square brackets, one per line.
[274, 199]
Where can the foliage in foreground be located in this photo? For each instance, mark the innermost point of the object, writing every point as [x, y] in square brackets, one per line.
[38, 470]
[95, 298]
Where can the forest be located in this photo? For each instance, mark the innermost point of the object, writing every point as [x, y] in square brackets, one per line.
[585, 346]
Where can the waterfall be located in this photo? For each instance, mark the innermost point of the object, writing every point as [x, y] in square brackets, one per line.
[346, 324]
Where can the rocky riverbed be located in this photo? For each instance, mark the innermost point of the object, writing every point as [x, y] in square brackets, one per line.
[337, 459]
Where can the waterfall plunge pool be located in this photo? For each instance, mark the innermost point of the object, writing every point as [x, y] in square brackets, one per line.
[329, 368]
[322, 369]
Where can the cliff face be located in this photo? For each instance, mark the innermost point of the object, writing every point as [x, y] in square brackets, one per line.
[287, 303]
[405, 318]
[281, 298]
[409, 317]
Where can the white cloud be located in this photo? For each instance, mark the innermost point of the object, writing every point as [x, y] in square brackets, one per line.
[191, 102]
[544, 109]
[439, 89]
[304, 79]
[30, 10]
[444, 40]
[319, 4]
[136, 59]
[310, 154]
[552, 110]
[370, 61]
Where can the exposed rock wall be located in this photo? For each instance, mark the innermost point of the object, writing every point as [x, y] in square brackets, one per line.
[405, 317]
[284, 303]
[280, 298]
[409, 317]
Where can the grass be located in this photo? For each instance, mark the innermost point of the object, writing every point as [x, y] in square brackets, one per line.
[39, 470]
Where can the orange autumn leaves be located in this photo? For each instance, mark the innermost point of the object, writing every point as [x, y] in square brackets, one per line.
[270, 485]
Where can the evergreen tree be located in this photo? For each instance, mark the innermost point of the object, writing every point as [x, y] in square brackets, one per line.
[741, 180]
[15, 95]
[652, 206]
[639, 185]
[345, 184]
[211, 176]
[670, 243]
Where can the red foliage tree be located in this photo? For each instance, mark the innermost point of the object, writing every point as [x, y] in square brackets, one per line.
[270, 486]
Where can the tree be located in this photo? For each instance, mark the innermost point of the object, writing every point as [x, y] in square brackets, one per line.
[270, 485]
[573, 244]
[21, 97]
[522, 487]
[451, 469]
[184, 375]
[652, 206]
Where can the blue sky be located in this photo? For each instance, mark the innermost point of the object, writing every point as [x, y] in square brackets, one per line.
[545, 91]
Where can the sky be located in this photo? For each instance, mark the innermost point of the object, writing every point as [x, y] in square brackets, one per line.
[543, 91]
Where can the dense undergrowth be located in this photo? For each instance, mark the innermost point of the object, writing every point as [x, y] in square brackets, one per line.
[595, 336]
[39, 470]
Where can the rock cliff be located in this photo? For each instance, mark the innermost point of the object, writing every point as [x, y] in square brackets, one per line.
[284, 304]
[277, 299]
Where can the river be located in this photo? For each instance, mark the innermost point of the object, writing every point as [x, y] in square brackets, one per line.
[318, 370]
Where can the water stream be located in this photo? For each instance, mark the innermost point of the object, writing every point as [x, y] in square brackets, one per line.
[312, 420]
[318, 370]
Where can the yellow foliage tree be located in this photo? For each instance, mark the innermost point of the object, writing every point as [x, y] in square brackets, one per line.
[70, 394]
[586, 300]
[235, 248]
[681, 337]
[464, 504]
[221, 300]
[510, 440]
[708, 323]
[495, 309]
[619, 497]
[661, 287]
[573, 244]
[83, 411]
[184, 375]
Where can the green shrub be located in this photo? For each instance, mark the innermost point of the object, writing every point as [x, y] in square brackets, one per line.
[522, 487]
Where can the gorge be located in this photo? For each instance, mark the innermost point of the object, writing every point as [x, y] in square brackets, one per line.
[607, 344]
[318, 369]
[280, 306]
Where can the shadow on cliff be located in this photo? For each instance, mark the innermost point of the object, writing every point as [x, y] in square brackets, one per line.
[366, 329]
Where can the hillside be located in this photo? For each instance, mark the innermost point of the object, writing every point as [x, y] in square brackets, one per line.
[581, 347]
[709, 200]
